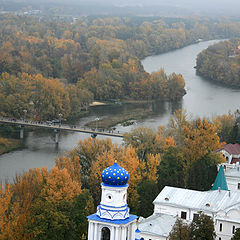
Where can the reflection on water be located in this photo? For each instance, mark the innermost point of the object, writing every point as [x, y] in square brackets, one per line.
[203, 98]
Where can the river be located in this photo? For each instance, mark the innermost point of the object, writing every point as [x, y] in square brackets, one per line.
[203, 99]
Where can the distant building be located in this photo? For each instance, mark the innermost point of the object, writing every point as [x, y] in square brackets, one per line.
[231, 152]
[233, 177]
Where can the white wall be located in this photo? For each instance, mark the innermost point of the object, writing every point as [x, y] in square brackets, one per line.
[227, 229]
[176, 211]
[232, 183]
[149, 236]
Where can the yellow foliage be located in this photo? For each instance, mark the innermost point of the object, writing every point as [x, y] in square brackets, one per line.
[60, 186]
[200, 138]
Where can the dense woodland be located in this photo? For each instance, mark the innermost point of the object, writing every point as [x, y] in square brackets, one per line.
[221, 63]
[92, 58]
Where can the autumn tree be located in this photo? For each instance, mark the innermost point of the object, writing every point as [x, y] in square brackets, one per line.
[144, 140]
[22, 193]
[127, 158]
[88, 151]
[224, 125]
[200, 138]
[176, 126]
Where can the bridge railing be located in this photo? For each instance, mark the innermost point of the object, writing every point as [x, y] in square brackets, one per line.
[49, 124]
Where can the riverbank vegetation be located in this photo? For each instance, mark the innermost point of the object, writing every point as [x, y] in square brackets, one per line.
[221, 63]
[7, 145]
[112, 121]
[65, 195]
[9, 140]
[92, 58]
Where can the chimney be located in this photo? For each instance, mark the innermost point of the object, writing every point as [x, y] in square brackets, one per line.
[219, 189]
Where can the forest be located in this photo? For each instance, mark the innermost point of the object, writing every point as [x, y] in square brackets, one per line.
[221, 63]
[51, 66]
[180, 155]
[92, 58]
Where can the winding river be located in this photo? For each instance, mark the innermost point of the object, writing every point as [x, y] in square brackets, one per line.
[203, 99]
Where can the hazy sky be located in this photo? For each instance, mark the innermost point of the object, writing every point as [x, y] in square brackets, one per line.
[210, 7]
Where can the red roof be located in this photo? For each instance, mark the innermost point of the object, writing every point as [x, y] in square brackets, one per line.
[232, 148]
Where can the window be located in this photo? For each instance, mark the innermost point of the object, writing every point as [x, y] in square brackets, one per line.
[220, 239]
[220, 227]
[233, 229]
[183, 215]
[238, 185]
[195, 216]
[105, 233]
[109, 197]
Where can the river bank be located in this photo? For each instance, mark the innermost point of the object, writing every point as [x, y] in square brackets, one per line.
[123, 118]
[203, 99]
[7, 145]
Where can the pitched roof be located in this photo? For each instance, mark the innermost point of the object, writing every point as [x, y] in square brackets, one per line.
[220, 181]
[212, 201]
[232, 148]
[157, 225]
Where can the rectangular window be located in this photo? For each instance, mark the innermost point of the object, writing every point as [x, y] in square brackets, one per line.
[220, 228]
[195, 216]
[233, 229]
[238, 185]
[183, 215]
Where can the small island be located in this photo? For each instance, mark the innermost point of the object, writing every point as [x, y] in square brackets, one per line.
[221, 63]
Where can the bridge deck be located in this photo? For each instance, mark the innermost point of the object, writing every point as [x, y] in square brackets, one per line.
[59, 127]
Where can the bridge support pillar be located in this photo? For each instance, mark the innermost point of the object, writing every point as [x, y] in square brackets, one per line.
[56, 136]
[21, 132]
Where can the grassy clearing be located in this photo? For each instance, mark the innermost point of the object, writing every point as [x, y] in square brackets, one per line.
[111, 121]
[7, 145]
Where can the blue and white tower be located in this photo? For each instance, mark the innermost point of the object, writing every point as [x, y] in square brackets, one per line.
[112, 220]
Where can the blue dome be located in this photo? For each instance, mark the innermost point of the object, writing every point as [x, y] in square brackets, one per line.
[115, 176]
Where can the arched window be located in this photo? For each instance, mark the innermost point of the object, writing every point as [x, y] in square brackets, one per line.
[105, 235]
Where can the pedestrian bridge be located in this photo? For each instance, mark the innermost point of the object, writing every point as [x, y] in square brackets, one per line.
[57, 128]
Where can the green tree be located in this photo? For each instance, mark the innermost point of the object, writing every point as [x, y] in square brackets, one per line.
[144, 140]
[81, 208]
[236, 235]
[49, 221]
[202, 227]
[172, 169]
[202, 172]
[147, 191]
[180, 231]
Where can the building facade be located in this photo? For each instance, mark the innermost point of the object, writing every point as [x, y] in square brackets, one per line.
[172, 203]
[113, 220]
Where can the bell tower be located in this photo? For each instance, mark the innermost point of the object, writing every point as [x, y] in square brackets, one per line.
[112, 220]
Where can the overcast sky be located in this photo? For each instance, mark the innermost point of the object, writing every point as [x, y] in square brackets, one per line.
[220, 7]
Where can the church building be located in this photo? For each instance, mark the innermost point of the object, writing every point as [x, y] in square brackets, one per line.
[113, 220]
